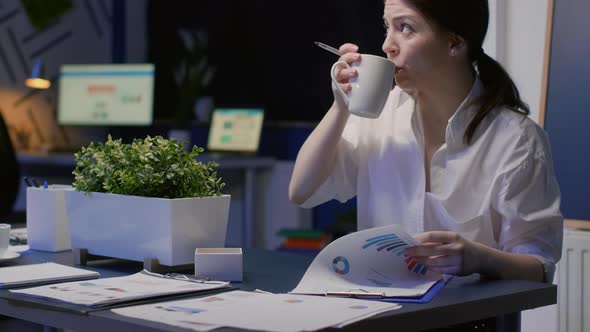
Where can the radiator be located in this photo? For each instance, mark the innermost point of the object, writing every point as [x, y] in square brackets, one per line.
[574, 282]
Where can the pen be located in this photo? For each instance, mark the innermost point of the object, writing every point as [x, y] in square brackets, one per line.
[28, 182]
[328, 48]
[184, 277]
[35, 183]
[357, 294]
[180, 276]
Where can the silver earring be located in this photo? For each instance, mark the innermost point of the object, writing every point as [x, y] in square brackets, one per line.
[453, 52]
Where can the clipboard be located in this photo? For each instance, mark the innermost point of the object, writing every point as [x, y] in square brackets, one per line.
[425, 298]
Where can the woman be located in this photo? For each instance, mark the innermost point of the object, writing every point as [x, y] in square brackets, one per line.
[453, 156]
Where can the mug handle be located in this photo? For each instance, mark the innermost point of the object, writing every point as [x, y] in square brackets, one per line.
[333, 75]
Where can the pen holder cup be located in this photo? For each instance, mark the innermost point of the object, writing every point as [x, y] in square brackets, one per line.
[47, 221]
[223, 264]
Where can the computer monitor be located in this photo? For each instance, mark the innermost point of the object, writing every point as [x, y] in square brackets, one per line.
[106, 94]
[235, 130]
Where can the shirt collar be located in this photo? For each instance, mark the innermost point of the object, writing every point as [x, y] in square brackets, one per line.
[461, 118]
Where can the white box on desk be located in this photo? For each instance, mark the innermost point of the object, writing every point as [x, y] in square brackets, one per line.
[47, 221]
[223, 264]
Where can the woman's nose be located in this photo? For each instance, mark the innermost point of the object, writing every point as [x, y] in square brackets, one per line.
[389, 47]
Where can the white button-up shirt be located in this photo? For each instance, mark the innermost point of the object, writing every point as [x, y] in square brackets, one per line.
[500, 190]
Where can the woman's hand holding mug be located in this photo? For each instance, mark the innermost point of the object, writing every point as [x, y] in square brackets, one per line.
[343, 74]
[361, 82]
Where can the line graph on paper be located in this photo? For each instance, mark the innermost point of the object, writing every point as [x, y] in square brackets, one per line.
[395, 245]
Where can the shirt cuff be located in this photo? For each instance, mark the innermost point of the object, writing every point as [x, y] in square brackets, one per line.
[548, 268]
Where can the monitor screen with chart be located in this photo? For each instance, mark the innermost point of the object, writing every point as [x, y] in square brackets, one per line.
[235, 130]
[106, 94]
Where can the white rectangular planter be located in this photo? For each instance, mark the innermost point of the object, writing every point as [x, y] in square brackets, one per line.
[136, 228]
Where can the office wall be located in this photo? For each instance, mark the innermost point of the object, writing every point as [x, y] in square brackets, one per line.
[493, 44]
[516, 39]
[568, 101]
[80, 33]
[525, 22]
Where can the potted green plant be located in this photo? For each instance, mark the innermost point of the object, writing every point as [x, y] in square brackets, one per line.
[149, 199]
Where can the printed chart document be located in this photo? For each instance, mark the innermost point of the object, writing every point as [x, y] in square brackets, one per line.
[256, 311]
[43, 273]
[103, 292]
[369, 264]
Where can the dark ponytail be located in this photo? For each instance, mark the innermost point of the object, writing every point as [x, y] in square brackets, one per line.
[499, 90]
[469, 19]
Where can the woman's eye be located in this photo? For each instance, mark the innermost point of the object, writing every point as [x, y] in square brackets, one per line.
[405, 27]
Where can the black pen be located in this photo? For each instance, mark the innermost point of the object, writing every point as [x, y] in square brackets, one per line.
[28, 182]
[35, 182]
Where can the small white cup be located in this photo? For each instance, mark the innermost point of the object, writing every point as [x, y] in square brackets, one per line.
[4, 238]
[371, 88]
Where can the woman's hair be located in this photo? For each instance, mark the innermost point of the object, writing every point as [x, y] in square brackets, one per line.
[469, 19]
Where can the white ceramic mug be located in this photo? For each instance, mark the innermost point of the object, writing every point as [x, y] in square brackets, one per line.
[4, 238]
[372, 86]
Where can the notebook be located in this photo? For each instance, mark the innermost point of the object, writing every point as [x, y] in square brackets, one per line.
[43, 273]
[371, 264]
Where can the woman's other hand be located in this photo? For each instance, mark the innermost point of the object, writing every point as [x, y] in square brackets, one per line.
[343, 74]
[447, 252]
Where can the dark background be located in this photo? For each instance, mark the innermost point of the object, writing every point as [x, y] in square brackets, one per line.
[263, 50]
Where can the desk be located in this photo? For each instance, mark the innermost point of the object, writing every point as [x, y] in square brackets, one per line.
[64, 164]
[462, 300]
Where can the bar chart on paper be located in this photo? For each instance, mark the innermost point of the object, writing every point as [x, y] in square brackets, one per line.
[392, 243]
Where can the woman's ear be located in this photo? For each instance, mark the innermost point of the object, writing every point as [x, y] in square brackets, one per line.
[456, 45]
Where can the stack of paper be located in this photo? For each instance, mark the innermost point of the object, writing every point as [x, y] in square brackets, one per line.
[36, 274]
[255, 311]
[103, 292]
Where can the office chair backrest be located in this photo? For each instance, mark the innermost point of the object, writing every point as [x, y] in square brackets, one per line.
[9, 171]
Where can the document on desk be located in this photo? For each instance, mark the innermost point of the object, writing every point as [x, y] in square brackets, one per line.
[107, 291]
[42, 273]
[370, 264]
[256, 311]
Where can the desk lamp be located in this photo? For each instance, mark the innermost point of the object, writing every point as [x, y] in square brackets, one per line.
[37, 81]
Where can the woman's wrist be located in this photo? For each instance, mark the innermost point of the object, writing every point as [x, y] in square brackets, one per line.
[486, 262]
[341, 108]
[497, 264]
